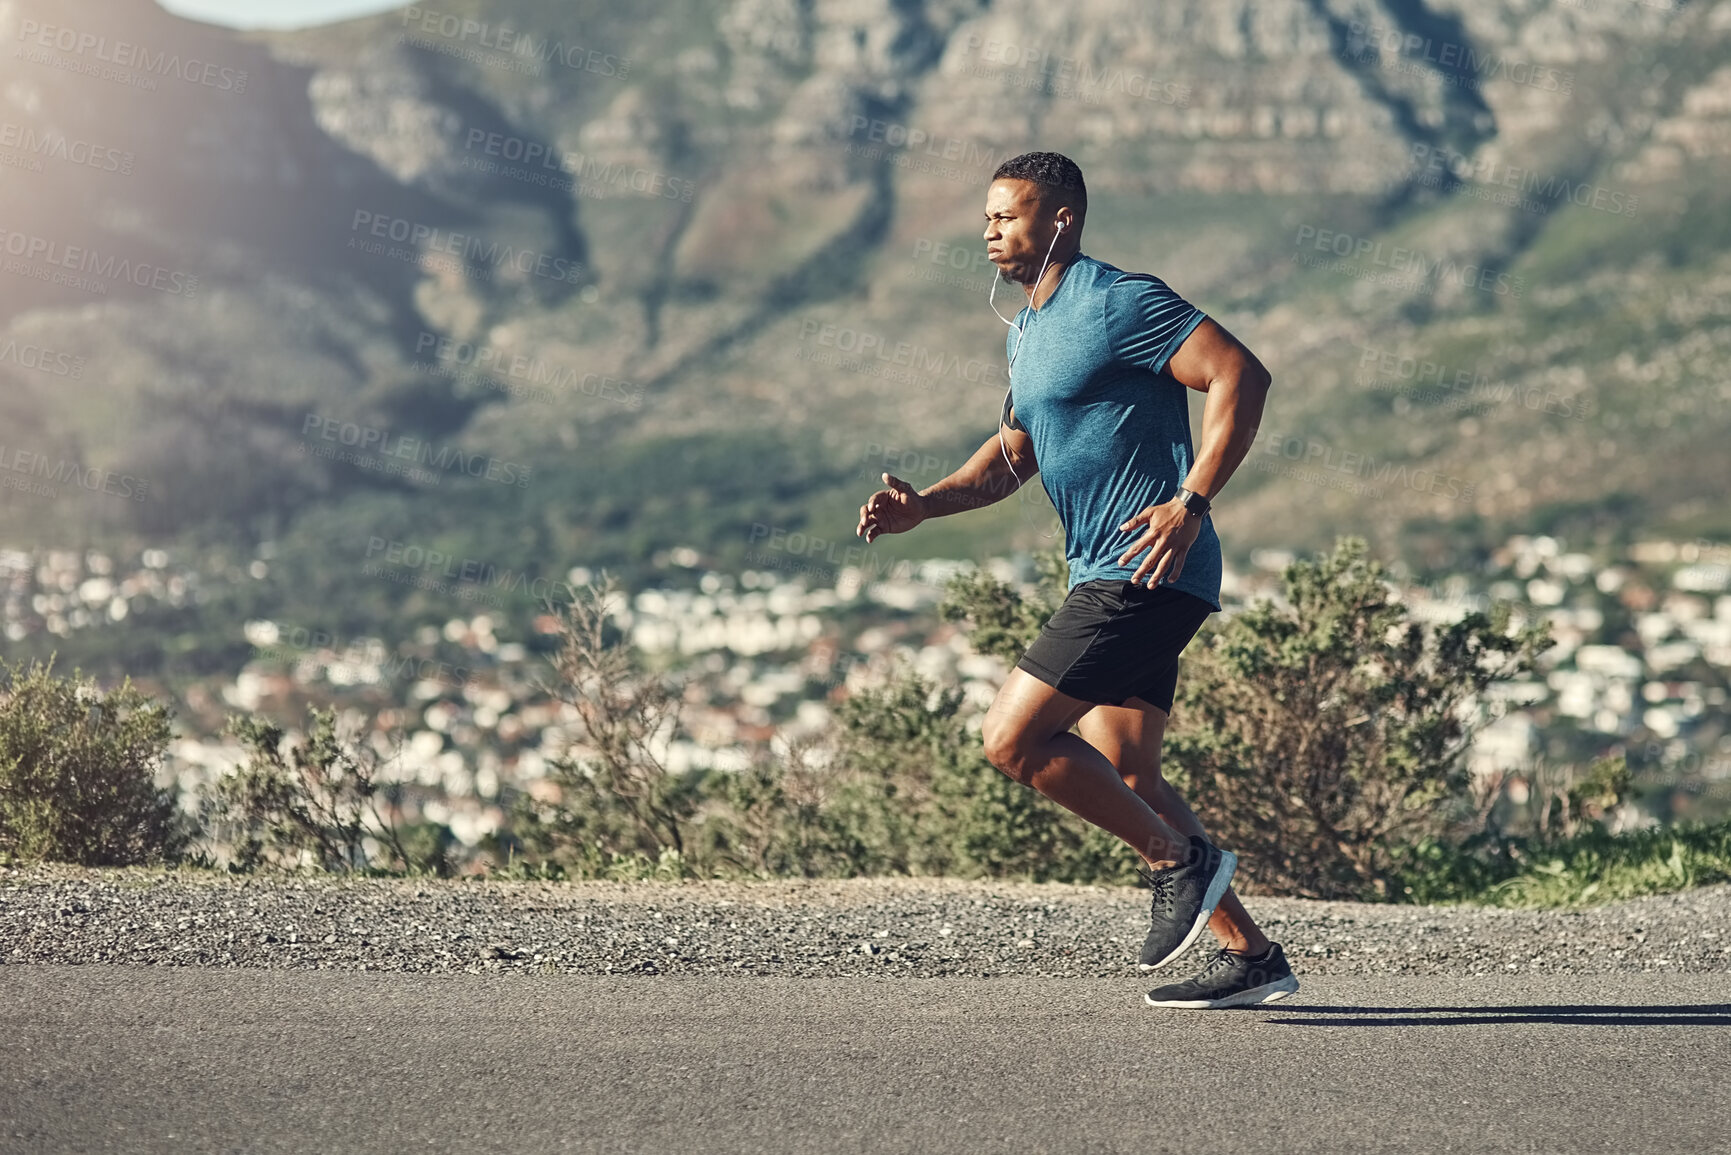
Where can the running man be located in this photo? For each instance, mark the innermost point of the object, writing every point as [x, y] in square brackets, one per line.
[1098, 362]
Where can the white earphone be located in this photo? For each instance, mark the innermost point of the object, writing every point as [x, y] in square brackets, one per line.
[1002, 448]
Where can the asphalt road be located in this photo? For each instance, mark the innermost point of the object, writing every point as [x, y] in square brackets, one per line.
[144, 1059]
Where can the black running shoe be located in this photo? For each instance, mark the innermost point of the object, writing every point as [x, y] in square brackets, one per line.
[1231, 980]
[1184, 900]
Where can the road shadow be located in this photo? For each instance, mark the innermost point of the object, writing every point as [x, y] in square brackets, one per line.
[1582, 1015]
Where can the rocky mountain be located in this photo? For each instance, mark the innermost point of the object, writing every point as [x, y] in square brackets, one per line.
[613, 278]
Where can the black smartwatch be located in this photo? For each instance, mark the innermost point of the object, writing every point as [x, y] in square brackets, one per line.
[1193, 502]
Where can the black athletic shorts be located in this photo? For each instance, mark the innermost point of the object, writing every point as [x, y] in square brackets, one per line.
[1113, 640]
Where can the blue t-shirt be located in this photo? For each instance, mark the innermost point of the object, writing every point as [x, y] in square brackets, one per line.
[1111, 427]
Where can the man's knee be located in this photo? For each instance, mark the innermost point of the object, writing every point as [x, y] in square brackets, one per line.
[1007, 748]
[1143, 761]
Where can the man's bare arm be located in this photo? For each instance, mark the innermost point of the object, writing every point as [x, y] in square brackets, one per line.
[1214, 362]
[985, 478]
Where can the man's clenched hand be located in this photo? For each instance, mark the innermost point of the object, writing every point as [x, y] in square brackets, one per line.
[893, 510]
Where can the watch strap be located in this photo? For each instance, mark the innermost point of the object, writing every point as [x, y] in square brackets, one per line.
[1193, 502]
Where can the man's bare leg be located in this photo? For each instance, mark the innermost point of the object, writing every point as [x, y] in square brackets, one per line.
[1027, 736]
[1130, 736]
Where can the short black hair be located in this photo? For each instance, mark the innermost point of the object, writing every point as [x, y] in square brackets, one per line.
[1059, 177]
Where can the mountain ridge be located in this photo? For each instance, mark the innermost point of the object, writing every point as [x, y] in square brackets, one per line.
[699, 205]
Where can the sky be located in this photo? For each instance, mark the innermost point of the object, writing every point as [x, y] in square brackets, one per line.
[276, 13]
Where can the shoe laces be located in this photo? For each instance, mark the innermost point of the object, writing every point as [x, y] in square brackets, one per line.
[1219, 960]
[1160, 883]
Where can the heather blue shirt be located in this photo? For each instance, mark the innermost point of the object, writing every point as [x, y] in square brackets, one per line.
[1111, 427]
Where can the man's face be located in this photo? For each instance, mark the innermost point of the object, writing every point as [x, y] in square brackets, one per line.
[1018, 232]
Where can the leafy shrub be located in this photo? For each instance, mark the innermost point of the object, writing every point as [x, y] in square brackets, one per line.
[779, 817]
[78, 770]
[1000, 621]
[621, 802]
[315, 804]
[1563, 800]
[923, 799]
[897, 786]
[1320, 735]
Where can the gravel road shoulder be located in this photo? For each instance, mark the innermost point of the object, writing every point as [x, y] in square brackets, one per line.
[920, 928]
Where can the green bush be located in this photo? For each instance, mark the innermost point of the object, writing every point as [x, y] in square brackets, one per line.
[922, 798]
[1000, 621]
[1320, 734]
[1591, 865]
[314, 804]
[1319, 737]
[779, 817]
[897, 786]
[78, 772]
[620, 803]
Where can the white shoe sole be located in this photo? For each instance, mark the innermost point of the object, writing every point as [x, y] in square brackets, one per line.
[1267, 993]
[1217, 888]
